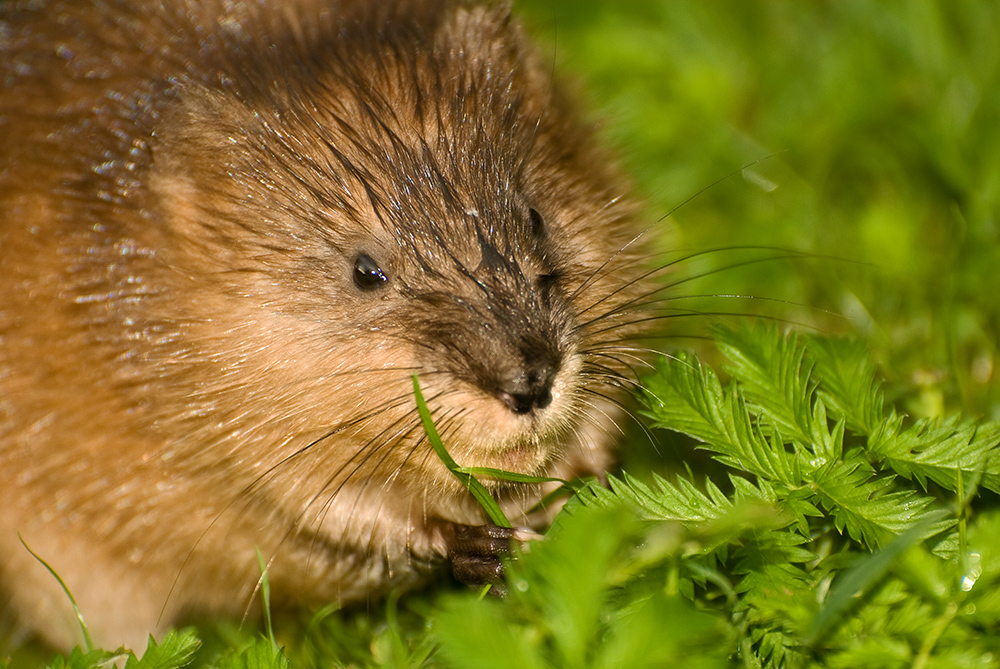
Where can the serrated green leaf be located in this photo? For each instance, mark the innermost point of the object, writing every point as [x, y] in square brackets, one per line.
[773, 589]
[680, 501]
[176, 649]
[666, 501]
[856, 497]
[867, 572]
[937, 450]
[777, 650]
[93, 659]
[848, 382]
[773, 375]
[687, 397]
[261, 655]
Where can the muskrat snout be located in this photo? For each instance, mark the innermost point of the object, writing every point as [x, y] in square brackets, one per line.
[530, 388]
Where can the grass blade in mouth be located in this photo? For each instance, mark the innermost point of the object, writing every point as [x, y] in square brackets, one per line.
[477, 489]
[467, 475]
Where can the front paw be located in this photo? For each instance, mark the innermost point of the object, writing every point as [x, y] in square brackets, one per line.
[476, 552]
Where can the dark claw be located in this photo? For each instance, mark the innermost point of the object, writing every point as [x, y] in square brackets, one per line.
[475, 553]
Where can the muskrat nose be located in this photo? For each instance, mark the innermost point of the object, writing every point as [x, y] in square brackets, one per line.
[521, 403]
[528, 391]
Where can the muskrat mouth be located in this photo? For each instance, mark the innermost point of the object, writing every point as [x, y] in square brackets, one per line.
[515, 427]
[527, 452]
[523, 460]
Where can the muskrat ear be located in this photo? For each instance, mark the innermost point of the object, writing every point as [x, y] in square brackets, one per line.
[193, 153]
[185, 146]
[484, 36]
[186, 132]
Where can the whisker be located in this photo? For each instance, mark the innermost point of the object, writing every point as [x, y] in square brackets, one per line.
[656, 223]
[612, 354]
[672, 285]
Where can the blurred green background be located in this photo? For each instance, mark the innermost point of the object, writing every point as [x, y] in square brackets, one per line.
[876, 130]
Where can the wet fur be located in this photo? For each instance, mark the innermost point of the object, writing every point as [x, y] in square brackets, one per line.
[188, 371]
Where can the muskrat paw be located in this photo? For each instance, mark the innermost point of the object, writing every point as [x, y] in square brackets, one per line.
[476, 552]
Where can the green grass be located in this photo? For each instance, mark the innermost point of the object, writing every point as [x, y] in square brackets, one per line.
[829, 519]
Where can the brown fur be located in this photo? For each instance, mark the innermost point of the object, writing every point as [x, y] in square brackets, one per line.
[188, 370]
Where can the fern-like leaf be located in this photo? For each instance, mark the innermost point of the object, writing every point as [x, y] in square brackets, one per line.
[774, 378]
[664, 500]
[848, 382]
[687, 397]
[938, 450]
[176, 649]
[860, 503]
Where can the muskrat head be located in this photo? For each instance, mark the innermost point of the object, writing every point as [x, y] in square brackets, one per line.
[482, 304]
[423, 203]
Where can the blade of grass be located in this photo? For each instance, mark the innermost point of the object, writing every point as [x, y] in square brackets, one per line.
[76, 609]
[473, 485]
[265, 591]
[504, 475]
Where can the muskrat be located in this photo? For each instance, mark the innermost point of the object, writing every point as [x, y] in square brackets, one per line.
[230, 233]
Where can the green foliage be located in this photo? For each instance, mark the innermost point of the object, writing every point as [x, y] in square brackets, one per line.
[85, 631]
[176, 650]
[262, 654]
[825, 545]
[477, 489]
[467, 476]
[565, 608]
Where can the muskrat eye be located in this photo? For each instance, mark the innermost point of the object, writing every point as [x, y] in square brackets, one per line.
[537, 223]
[367, 274]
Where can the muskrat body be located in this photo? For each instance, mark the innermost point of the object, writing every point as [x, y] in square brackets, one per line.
[230, 233]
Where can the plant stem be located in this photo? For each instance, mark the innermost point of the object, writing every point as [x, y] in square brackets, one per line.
[942, 624]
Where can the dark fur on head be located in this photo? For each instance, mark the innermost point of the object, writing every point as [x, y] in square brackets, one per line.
[231, 234]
